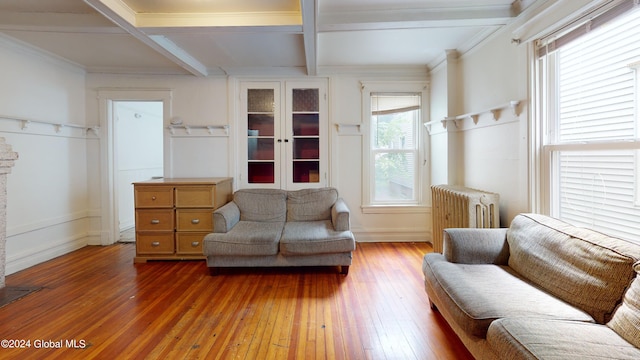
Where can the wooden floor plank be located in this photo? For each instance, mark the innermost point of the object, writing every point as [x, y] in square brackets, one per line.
[98, 297]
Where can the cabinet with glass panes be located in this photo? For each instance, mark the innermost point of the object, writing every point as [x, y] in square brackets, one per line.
[285, 127]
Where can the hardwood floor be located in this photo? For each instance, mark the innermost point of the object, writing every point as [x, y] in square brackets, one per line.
[113, 308]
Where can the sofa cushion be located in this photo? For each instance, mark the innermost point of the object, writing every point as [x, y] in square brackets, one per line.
[314, 237]
[261, 204]
[247, 238]
[626, 319]
[311, 204]
[580, 266]
[533, 338]
[477, 294]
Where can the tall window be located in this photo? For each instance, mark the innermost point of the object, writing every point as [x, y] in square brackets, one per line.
[587, 87]
[394, 148]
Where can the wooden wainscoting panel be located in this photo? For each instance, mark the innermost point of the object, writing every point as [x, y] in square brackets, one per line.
[96, 299]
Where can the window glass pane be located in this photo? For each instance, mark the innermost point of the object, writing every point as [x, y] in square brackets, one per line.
[306, 171]
[597, 85]
[394, 176]
[260, 100]
[394, 147]
[260, 124]
[596, 190]
[305, 100]
[394, 131]
[261, 173]
[260, 148]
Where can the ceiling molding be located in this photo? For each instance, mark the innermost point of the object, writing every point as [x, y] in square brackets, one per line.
[25, 48]
[281, 18]
[290, 29]
[134, 70]
[396, 72]
[57, 22]
[414, 18]
[265, 71]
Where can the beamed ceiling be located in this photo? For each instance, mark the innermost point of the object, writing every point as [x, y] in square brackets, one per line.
[248, 37]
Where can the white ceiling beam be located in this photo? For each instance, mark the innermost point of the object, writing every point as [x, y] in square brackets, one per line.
[415, 18]
[124, 17]
[309, 9]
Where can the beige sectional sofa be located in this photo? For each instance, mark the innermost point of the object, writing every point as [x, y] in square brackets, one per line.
[271, 227]
[541, 289]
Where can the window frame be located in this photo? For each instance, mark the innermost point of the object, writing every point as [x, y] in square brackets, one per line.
[545, 145]
[368, 153]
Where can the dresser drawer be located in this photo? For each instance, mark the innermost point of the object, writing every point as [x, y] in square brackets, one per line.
[154, 220]
[194, 220]
[152, 243]
[190, 243]
[195, 196]
[153, 196]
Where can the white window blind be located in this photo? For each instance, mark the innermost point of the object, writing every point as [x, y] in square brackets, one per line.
[591, 121]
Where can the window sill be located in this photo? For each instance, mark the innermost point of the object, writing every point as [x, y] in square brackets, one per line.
[395, 209]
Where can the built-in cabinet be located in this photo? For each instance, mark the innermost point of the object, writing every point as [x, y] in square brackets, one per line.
[282, 134]
[174, 215]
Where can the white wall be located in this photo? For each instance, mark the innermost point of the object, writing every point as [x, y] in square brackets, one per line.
[47, 211]
[491, 154]
[495, 152]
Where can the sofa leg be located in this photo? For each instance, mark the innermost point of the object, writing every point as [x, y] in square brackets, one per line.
[344, 270]
[214, 271]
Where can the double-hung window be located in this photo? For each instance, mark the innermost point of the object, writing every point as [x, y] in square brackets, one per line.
[588, 119]
[394, 149]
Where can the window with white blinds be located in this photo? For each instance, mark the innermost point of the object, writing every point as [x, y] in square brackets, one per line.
[588, 97]
[395, 121]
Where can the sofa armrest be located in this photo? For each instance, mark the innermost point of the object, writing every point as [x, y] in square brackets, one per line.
[340, 216]
[476, 246]
[225, 217]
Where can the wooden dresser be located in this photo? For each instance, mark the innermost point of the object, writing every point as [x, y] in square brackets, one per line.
[174, 215]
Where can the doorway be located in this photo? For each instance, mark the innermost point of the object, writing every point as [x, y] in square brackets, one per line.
[110, 141]
[138, 138]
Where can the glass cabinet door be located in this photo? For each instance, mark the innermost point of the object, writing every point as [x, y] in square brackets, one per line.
[261, 141]
[305, 135]
[282, 134]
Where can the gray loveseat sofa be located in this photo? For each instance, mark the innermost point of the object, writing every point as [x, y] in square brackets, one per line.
[542, 289]
[270, 227]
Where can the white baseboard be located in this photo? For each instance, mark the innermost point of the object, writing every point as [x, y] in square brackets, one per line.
[35, 256]
[391, 235]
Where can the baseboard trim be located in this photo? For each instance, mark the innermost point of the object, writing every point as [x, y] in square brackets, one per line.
[36, 256]
[391, 235]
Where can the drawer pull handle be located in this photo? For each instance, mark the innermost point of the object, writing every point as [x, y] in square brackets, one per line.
[195, 243]
[153, 198]
[155, 243]
[195, 221]
[155, 221]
